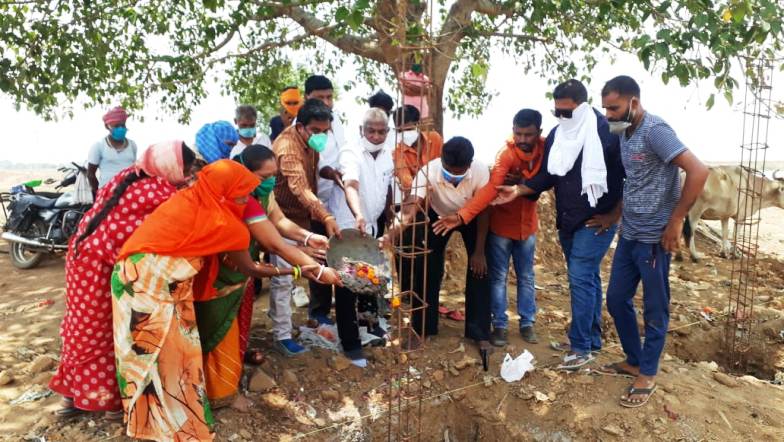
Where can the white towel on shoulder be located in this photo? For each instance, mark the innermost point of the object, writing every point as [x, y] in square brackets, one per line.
[575, 135]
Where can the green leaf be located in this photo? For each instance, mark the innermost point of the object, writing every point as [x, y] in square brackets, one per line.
[710, 102]
[341, 14]
[728, 97]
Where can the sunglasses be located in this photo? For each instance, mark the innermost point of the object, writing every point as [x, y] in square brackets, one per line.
[562, 113]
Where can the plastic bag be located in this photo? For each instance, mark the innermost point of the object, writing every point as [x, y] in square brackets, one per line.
[83, 193]
[512, 370]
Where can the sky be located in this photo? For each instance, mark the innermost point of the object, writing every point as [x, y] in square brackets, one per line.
[713, 135]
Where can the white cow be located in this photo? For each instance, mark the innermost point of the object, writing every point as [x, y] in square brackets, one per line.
[719, 201]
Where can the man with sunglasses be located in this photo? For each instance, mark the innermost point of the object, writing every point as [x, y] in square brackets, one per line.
[582, 163]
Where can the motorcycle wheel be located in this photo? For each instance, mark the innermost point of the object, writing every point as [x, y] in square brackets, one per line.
[21, 256]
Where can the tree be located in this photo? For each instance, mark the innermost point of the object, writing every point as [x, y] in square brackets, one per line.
[59, 51]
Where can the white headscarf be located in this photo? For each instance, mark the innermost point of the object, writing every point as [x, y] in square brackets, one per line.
[575, 135]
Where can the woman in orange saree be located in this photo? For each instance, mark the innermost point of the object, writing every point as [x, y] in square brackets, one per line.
[159, 361]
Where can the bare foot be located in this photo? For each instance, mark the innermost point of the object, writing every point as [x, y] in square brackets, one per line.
[630, 368]
[241, 404]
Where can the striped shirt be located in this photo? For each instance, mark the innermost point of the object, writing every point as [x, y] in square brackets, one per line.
[652, 188]
[297, 182]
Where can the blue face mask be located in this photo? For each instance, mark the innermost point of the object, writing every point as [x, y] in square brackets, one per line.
[450, 178]
[247, 132]
[118, 133]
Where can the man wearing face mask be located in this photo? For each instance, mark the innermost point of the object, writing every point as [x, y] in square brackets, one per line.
[113, 153]
[297, 151]
[451, 180]
[367, 170]
[318, 87]
[245, 118]
[653, 212]
[512, 226]
[582, 162]
[414, 148]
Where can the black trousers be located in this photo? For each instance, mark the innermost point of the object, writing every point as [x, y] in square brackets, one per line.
[320, 294]
[477, 290]
[346, 316]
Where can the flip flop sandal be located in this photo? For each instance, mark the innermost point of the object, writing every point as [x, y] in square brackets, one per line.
[455, 315]
[574, 362]
[615, 369]
[443, 310]
[647, 392]
[67, 409]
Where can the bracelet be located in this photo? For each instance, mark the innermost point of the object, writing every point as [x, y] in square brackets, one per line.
[307, 238]
[321, 272]
[297, 272]
[277, 270]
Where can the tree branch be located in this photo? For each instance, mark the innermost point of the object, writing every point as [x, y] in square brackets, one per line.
[260, 48]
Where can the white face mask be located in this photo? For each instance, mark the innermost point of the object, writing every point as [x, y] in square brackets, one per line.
[370, 147]
[410, 137]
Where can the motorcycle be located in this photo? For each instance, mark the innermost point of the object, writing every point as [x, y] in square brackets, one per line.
[41, 223]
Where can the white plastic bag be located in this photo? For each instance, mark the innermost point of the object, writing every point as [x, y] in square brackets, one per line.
[512, 370]
[300, 297]
[83, 193]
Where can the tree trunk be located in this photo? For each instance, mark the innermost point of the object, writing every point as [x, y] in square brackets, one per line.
[438, 72]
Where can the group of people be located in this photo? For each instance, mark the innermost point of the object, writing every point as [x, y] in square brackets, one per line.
[163, 272]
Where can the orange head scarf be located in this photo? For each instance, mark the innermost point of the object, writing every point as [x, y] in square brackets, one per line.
[290, 96]
[199, 221]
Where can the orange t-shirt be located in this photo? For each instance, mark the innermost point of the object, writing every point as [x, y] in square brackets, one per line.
[408, 163]
[517, 219]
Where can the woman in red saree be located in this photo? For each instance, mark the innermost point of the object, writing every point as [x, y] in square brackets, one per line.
[86, 375]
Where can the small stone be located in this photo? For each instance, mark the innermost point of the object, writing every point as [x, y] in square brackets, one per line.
[41, 363]
[339, 363]
[427, 384]
[275, 400]
[289, 378]
[709, 366]
[330, 395]
[541, 397]
[234, 437]
[612, 429]
[467, 361]
[453, 371]
[488, 381]
[91, 423]
[667, 357]
[246, 434]
[726, 380]
[261, 381]
[6, 377]
[438, 375]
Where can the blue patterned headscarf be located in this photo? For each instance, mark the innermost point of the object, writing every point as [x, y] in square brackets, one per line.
[214, 141]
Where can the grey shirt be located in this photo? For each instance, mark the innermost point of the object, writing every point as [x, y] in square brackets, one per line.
[652, 188]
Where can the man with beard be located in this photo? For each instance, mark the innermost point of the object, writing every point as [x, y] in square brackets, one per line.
[512, 226]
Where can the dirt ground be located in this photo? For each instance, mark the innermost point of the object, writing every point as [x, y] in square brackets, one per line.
[317, 397]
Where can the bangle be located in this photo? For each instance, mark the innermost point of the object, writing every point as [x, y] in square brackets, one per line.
[277, 270]
[518, 190]
[321, 272]
[307, 238]
[297, 272]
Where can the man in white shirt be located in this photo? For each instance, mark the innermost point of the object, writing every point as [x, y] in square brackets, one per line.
[245, 119]
[367, 170]
[113, 153]
[449, 181]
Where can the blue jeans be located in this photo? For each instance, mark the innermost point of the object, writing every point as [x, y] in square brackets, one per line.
[499, 250]
[635, 261]
[584, 250]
